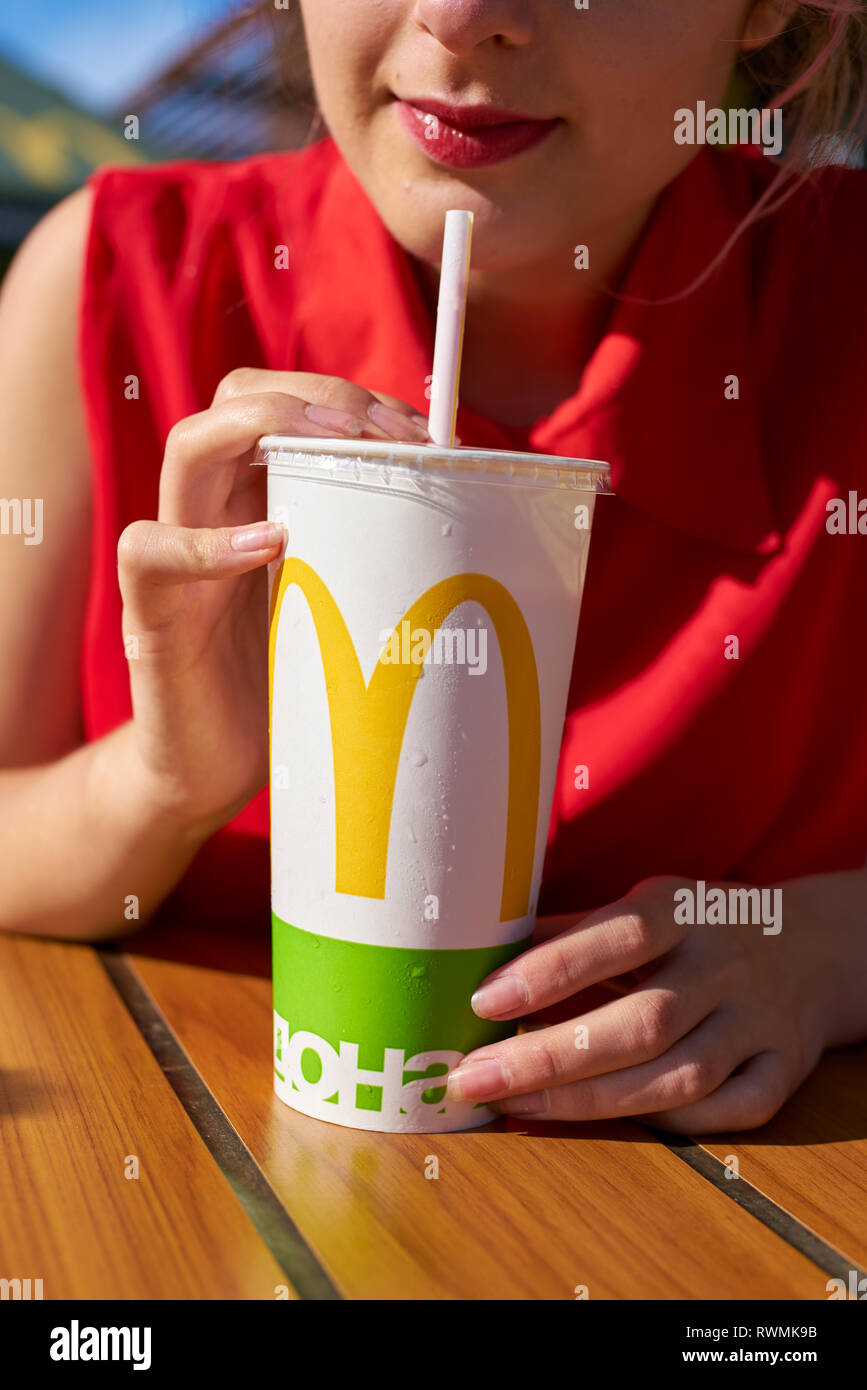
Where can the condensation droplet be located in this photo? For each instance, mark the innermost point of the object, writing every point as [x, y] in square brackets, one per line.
[411, 833]
[418, 758]
[446, 528]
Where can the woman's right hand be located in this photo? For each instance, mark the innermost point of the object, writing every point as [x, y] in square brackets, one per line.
[194, 584]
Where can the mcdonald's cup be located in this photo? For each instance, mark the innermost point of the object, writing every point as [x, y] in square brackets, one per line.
[422, 630]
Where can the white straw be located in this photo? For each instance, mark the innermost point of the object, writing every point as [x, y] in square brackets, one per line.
[449, 340]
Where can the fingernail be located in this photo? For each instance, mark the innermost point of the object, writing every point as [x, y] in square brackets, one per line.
[477, 1080]
[263, 536]
[501, 996]
[421, 420]
[333, 419]
[395, 424]
[533, 1103]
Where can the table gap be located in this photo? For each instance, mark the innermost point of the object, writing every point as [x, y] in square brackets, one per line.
[233, 1158]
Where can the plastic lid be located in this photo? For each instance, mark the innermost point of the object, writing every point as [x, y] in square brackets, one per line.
[353, 459]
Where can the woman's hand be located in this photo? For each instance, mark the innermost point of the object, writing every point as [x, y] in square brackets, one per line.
[723, 1024]
[194, 584]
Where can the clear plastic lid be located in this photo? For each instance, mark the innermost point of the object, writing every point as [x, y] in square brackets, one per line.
[351, 460]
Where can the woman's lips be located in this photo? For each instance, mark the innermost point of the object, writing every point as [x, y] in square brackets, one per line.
[471, 136]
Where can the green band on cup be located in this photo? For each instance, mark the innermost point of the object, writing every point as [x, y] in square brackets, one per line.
[363, 1014]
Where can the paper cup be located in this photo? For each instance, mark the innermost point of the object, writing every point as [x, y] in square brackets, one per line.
[422, 629]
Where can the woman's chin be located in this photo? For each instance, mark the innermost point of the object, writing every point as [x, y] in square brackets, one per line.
[502, 239]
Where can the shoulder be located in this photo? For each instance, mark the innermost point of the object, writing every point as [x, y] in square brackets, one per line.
[40, 295]
[51, 254]
[39, 316]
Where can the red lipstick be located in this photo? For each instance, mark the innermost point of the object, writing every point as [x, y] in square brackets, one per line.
[470, 137]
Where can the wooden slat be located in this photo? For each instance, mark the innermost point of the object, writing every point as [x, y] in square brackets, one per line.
[79, 1091]
[811, 1159]
[513, 1215]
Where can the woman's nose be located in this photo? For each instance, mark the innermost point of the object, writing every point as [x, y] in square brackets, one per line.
[461, 25]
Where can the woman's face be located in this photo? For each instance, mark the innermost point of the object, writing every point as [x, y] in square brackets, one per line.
[601, 85]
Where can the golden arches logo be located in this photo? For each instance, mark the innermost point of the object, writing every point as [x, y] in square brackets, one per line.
[368, 723]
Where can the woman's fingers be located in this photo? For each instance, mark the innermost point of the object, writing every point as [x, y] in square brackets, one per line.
[154, 559]
[683, 1075]
[384, 416]
[546, 927]
[620, 1033]
[606, 943]
[749, 1097]
[203, 452]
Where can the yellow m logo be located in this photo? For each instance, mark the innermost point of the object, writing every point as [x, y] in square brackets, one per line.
[368, 723]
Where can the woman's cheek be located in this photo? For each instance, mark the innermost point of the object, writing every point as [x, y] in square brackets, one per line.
[627, 96]
[347, 44]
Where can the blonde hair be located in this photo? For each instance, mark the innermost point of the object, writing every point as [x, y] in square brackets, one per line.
[816, 72]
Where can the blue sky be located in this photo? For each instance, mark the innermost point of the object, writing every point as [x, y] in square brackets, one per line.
[99, 50]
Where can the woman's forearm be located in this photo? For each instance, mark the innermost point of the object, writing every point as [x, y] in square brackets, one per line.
[86, 849]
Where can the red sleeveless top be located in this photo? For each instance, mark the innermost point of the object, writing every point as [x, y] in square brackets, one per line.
[699, 762]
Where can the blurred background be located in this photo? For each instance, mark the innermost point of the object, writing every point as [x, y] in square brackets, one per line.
[205, 79]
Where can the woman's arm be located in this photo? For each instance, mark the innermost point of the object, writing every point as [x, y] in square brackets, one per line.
[84, 827]
[81, 828]
[81, 835]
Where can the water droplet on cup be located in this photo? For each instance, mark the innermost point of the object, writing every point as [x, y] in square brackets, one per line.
[417, 758]
[411, 833]
[446, 529]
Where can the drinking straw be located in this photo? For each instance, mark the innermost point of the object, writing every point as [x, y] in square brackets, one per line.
[449, 341]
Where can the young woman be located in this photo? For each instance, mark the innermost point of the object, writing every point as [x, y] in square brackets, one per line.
[671, 307]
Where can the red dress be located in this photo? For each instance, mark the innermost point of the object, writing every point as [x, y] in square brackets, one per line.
[699, 763]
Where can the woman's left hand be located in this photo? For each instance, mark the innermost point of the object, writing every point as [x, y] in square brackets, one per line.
[722, 1026]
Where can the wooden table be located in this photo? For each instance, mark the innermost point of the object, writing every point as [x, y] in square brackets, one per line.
[143, 1155]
